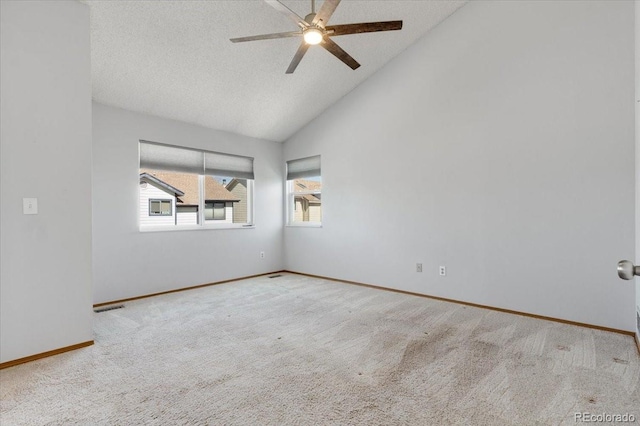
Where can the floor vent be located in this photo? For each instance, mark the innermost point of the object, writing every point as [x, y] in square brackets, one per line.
[108, 308]
[275, 276]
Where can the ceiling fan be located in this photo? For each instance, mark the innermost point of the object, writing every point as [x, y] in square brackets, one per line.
[314, 30]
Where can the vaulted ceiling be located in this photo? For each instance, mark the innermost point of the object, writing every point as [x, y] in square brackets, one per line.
[173, 59]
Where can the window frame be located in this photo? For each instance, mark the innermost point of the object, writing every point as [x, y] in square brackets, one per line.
[202, 222]
[161, 200]
[212, 223]
[291, 205]
[302, 168]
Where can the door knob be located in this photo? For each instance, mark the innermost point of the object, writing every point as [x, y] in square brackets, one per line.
[626, 270]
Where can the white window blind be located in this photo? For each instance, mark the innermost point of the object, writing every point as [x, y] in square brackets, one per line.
[178, 159]
[228, 165]
[167, 157]
[303, 167]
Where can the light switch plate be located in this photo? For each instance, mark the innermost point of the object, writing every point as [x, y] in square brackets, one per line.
[30, 205]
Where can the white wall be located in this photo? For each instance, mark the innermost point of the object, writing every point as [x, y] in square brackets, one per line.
[129, 263]
[45, 278]
[508, 132]
[637, 7]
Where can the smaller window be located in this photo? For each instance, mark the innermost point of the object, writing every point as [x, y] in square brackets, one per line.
[304, 191]
[159, 207]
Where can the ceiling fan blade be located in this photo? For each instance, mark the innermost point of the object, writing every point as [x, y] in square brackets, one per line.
[337, 51]
[325, 12]
[288, 12]
[297, 57]
[266, 36]
[365, 27]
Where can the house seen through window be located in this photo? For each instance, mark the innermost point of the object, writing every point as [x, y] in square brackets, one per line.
[304, 191]
[185, 187]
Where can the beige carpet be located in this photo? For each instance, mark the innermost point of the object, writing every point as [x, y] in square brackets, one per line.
[302, 351]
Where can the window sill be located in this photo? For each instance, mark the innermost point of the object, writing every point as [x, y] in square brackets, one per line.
[192, 228]
[304, 225]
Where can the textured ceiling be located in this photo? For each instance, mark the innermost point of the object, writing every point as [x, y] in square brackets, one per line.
[174, 59]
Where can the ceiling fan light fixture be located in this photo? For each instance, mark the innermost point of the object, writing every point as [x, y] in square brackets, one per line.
[313, 36]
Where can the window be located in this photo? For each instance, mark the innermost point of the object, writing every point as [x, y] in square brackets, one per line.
[304, 191]
[208, 189]
[215, 211]
[160, 207]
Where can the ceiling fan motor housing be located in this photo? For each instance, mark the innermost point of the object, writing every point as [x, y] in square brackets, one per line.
[309, 18]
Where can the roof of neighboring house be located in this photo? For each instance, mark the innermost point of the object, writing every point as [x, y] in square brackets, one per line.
[187, 184]
[235, 182]
[308, 185]
[311, 198]
[150, 178]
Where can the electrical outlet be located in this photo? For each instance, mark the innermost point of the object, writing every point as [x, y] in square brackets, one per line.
[30, 205]
[418, 267]
[261, 255]
[443, 270]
